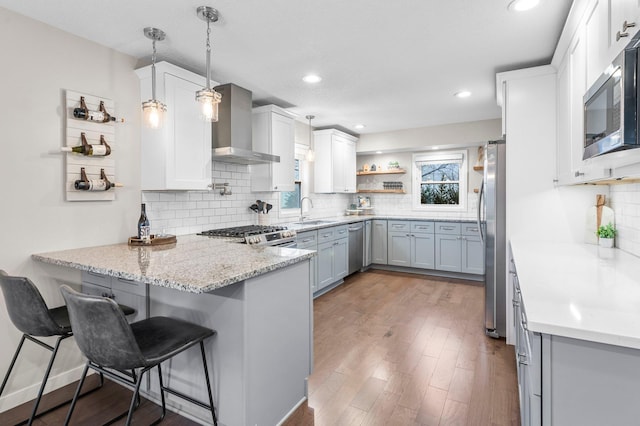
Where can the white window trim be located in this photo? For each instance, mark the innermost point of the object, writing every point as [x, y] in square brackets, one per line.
[300, 154]
[417, 178]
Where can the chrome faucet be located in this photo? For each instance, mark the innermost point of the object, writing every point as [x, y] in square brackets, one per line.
[301, 202]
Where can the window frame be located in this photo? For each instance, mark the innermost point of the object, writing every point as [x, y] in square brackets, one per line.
[303, 171]
[463, 179]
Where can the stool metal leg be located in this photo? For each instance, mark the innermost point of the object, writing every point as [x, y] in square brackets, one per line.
[206, 376]
[134, 398]
[75, 396]
[44, 380]
[13, 362]
[164, 404]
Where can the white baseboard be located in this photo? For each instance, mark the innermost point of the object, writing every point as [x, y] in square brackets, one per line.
[28, 393]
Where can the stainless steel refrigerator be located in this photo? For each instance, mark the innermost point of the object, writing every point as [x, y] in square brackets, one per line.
[492, 212]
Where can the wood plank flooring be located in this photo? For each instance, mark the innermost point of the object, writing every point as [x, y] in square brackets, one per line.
[401, 349]
[390, 349]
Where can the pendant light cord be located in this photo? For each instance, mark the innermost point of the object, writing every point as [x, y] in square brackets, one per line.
[153, 71]
[208, 55]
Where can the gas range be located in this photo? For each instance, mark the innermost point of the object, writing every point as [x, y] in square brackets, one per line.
[271, 235]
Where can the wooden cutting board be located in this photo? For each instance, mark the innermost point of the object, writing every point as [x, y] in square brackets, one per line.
[606, 216]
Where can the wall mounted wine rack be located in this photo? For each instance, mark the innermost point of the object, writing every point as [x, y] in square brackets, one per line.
[92, 167]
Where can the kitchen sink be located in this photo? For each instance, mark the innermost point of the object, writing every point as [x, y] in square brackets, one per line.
[313, 222]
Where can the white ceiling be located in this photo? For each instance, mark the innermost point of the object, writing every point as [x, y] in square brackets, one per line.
[387, 64]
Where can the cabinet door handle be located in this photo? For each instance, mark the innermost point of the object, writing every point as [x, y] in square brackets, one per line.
[336, 243]
[579, 173]
[522, 359]
[626, 25]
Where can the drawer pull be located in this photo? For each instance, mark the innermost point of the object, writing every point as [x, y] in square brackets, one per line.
[447, 228]
[306, 240]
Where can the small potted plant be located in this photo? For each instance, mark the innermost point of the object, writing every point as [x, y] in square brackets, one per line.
[606, 235]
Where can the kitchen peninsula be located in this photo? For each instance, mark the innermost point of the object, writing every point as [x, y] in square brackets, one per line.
[258, 300]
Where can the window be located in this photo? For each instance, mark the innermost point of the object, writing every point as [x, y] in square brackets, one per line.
[440, 181]
[291, 200]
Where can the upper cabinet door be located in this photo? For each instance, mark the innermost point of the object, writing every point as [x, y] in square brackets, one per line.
[335, 163]
[274, 133]
[621, 11]
[177, 156]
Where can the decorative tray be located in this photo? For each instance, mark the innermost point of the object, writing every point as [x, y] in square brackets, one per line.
[155, 240]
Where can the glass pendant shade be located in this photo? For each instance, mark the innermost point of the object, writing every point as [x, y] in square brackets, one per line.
[153, 110]
[210, 99]
[153, 113]
[311, 156]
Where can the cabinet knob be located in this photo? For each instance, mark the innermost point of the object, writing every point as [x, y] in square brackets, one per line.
[210, 186]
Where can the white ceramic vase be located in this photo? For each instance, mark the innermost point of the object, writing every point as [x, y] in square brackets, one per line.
[606, 242]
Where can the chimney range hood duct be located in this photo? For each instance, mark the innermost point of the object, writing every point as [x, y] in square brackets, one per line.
[232, 133]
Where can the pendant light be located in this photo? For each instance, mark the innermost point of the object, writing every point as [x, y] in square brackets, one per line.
[208, 97]
[311, 156]
[153, 110]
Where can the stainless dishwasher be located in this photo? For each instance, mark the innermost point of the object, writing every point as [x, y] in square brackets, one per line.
[356, 246]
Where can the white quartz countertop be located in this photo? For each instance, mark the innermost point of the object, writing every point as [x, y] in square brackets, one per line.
[580, 291]
[311, 224]
[194, 264]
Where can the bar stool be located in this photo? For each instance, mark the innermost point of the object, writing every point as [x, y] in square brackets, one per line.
[115, 348]
[30, 314]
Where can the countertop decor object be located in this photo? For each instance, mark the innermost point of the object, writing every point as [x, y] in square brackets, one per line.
[606, 235]
[596, 216]
[155, 240]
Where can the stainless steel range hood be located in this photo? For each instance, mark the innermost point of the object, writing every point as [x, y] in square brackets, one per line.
[232, 134]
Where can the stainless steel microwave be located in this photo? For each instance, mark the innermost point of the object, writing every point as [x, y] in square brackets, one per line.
[611, 105]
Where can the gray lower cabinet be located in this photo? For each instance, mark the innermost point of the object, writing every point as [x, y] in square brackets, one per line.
[309, 241]
[448, 253]
[379, 241]
[423, 251]
[125, 292]
[411, 243]
[333, 255]
[367, 244]
[458, 248]
[399, 248]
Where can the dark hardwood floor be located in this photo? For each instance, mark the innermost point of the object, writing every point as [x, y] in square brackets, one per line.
[390, 349]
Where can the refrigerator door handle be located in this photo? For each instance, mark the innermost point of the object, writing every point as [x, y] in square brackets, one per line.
[480, 210]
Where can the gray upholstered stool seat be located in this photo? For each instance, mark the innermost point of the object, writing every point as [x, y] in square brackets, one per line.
[30, 314]
[110, 343]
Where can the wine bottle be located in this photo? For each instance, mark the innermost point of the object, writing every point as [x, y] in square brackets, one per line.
[144, 230]
[90, 150]
[95, 185]
[101, 116]
[102, 184]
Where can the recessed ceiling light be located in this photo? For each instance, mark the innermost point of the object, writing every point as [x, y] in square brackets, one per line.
[359, 126]
[462, 94]
[434, 147]
[522, 5]
[378, 152]
[311, 78]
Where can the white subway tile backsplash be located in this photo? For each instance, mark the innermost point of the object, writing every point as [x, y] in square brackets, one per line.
[624, 199]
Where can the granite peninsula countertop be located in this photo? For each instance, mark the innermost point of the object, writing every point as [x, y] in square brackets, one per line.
[194, 264]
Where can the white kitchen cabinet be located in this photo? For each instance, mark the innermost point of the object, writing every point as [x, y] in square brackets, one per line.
[591, 49]
[273, 133]
[379, 242]
[178, 155]
[335, 162]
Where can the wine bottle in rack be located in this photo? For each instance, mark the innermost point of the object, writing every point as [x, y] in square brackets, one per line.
[102, 184]
[101, 116]
[144, 230]
[87, 149]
